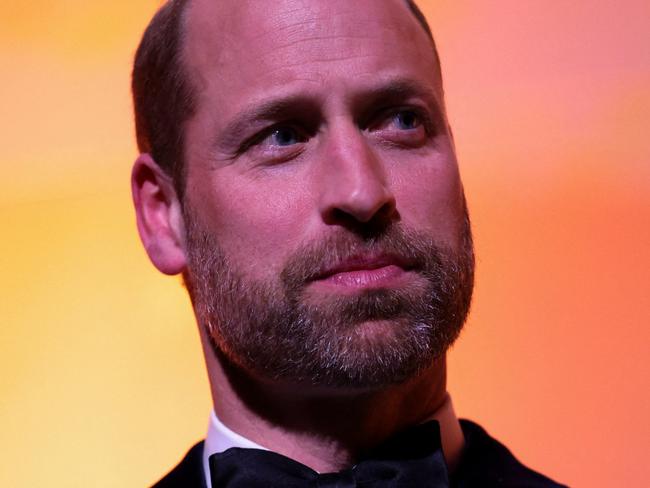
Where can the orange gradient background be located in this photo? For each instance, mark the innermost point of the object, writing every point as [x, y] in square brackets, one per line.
[102, 380]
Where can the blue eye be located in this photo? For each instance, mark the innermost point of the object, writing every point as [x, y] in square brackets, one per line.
[407, 120]
[285, 136]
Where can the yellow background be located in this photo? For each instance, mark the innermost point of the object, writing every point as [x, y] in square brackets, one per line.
[102, 380]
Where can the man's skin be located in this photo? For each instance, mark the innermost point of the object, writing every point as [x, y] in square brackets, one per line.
[335, 61]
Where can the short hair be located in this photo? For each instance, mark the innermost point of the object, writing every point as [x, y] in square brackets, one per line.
[163, 96]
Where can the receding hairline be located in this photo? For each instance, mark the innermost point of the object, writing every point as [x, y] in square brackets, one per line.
[410, 4]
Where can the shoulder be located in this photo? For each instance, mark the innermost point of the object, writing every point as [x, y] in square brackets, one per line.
[488, 463]
[188, 473]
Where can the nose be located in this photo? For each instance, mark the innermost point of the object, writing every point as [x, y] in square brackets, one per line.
[354, 186]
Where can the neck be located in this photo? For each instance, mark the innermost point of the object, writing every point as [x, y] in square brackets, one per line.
[325, 430]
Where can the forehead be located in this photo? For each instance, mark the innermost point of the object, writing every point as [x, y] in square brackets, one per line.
[247, 45]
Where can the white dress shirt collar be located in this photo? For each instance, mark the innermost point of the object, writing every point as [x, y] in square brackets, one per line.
[220, 438]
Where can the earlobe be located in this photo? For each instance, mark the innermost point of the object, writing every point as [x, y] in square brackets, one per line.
[159, 217]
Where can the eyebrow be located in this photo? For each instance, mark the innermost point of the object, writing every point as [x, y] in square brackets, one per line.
[273, 110]
[303, 105]
[396, 90]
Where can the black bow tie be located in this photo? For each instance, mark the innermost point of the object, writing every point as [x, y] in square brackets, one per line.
[411, 459]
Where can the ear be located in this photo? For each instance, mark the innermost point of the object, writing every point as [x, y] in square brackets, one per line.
[159, 216]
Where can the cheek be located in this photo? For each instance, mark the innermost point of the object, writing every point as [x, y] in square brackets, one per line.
[257, 225]
[429, 198]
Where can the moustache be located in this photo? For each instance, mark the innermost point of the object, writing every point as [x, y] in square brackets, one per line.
[397, 245]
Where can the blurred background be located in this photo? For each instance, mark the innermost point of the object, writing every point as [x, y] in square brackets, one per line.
[101, 374]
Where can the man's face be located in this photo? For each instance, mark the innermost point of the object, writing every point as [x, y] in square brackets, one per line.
[327, 238]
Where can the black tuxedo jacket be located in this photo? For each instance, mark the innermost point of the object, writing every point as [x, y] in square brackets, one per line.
[485, 463]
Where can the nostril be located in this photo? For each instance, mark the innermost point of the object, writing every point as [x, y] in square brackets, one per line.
[338, 215]
[388, 211]
[373, 225]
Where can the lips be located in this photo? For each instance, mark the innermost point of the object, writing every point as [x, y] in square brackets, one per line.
[364, 269]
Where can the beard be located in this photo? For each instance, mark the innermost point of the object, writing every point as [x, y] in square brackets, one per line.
[274, 330]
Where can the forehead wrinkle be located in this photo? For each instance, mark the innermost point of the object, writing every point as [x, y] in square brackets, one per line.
[294, 21]
[302, 19]
[228, 19]
[335, 28]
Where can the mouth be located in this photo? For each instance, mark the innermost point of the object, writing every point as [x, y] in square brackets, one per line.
[380, 271]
